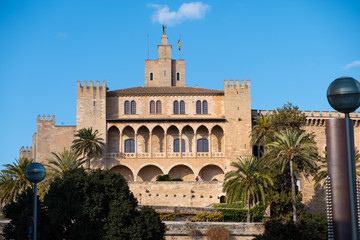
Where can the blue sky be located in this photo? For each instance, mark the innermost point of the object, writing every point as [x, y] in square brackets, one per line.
[290, 50]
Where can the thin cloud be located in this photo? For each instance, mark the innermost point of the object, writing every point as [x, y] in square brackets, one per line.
[352, 64]
[187, 11]
[61, 35]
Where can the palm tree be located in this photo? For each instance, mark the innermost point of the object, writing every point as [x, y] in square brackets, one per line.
[88, 143]
[64, 161]
[323, 170]
[13, 180]
[259, 131]
[248, 181]
[293, 148]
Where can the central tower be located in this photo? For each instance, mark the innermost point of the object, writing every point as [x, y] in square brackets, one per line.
[164, 71]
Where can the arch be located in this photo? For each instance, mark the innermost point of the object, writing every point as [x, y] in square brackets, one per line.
[124, 171]
[158, 107]
[182, 171]
[148, 173]
[182, 107]
[217, 139]
[152, 107]
[204, 107]
[222, 199]
[188, 135]
[128, 139]
[113, 140]
[172, 135]
[133, 107]
[157, 139]
[211, 172]
[176, 107]
[143, 137]
[126, 107]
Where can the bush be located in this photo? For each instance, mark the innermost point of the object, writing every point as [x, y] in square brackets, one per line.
[81, 205]
[218, 233]
[239, 215]
[166, 177]
[208, 217]
[288, 230]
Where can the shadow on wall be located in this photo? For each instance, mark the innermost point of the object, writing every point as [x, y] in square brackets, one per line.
[317, 204]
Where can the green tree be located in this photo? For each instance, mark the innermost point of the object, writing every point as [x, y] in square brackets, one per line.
[80, 205]
[292, 148]
[259, 131]
[13, 180]
[89, 143]
[64, 161]
[247, 182]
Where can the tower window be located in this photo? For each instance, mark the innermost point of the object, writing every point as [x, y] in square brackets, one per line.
[152, 107]
[151, 76]
[205, 107]
[158, 107]
[126, 107]
[176, 107]
[129, 146]
[182, 107]
[133, 107]
[178, 76]
[198, 107]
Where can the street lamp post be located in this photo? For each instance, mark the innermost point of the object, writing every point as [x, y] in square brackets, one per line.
[343, 95]
[35, 173]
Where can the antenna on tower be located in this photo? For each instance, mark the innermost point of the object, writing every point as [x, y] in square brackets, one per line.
[148, 46]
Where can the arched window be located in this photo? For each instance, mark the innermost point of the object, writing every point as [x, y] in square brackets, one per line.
[178, 76]
[151, 76]
[129, 146]
[182, 107]
[177, 147]
[205, 107]
[126, 107]
[198, 107]
[158, 107]
[152, 107]
[176, 107]
[133, 107]
[202, 145]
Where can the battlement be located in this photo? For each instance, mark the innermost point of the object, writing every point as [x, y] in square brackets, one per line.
[310, 114]
[242, 85]
[25, 149]
[45, 120]
[91, 88]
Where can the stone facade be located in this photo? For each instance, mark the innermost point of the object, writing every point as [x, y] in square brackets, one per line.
[166, 127]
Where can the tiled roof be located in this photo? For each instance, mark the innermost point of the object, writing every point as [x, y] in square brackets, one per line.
[140, 91]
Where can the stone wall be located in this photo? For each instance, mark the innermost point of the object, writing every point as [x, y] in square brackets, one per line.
[197, 194]
[239, 231]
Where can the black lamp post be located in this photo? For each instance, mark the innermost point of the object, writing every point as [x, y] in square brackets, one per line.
[35, 173]
[343, 95]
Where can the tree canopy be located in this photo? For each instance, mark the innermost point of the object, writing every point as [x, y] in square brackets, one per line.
[81, 205]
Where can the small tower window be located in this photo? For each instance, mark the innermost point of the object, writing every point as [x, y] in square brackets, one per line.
[151, 76]
[152, 107]
[198, 107]
[182, 107]
[126, 107]
[178, 76]
[176, 107]
[158, 107]
[205, 107]
[133, 107]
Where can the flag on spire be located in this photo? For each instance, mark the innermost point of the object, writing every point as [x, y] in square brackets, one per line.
[179, 44]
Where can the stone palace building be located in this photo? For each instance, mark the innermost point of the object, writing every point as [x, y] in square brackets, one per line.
[166, 127]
